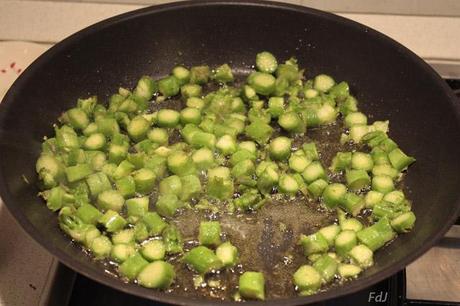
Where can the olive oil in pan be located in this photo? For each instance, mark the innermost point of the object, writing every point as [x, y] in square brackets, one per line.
[266, 239]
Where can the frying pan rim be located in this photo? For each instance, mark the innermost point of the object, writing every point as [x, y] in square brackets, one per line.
[112, 282]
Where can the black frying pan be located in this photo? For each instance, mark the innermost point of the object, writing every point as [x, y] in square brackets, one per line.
[389, 81]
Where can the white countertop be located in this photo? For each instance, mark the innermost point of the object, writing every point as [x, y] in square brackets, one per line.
[434, 38]
[428, 36]
[24, 265]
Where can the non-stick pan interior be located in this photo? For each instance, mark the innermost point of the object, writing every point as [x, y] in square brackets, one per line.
[389, 81]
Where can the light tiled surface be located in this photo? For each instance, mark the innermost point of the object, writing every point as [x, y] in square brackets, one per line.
[407, 7]
[429, 37]
[43, 21]
[53, 21]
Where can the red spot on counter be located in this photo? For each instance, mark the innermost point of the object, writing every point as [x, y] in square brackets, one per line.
[3, 71]
[12, 65]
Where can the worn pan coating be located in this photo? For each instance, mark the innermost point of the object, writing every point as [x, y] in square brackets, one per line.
[389, 81]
